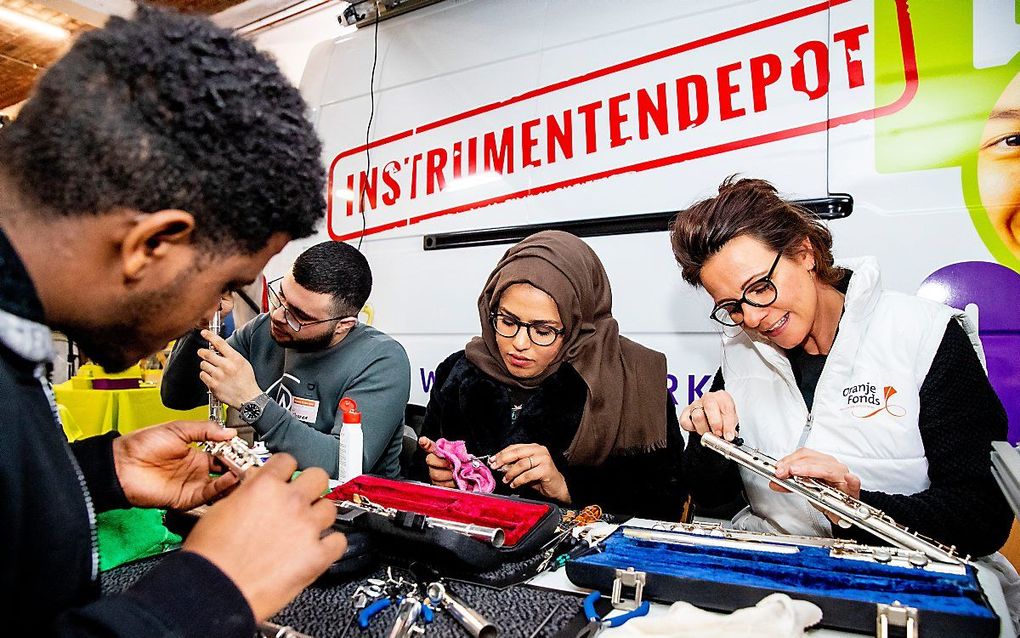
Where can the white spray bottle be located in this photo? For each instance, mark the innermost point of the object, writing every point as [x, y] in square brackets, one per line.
[352, 441]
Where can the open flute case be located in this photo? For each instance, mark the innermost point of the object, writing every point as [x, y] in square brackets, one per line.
[478, 531]
[916, 583]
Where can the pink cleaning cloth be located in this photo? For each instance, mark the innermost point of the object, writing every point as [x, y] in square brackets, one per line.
[469, 474]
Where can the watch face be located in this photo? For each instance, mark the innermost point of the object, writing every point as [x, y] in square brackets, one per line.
[251, 412]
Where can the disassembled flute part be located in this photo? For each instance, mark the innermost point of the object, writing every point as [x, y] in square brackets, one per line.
[475, 623]
[215, 405]
[491, 535]
[835, 502]
[234, 454]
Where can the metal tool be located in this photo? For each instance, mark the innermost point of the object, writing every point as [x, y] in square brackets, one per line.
[597, 623]
[545, 621]
[475, 623]
[268, 629]
[406, 624]
[396, 590]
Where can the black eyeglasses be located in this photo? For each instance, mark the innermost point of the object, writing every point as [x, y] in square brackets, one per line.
[539, 333]
[760, 294]
[276, 301]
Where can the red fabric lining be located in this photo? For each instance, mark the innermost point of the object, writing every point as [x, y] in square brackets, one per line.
[514, 516]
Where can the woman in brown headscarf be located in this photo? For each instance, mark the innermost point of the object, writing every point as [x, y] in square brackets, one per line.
[566, 408]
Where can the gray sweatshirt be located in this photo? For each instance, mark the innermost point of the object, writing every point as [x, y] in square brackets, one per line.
[367, 366]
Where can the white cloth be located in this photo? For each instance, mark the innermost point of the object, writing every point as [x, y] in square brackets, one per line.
[1010, 581]
[775, 616]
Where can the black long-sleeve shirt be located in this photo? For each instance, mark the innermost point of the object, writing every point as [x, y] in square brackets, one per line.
[50, 491]
[467, 405]
[960, 416]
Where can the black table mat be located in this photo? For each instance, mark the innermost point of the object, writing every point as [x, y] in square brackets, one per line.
[324, 609]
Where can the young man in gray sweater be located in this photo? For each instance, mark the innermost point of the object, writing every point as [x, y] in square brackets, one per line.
[286, 371]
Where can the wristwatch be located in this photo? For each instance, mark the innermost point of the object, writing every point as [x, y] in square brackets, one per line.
[251, 411]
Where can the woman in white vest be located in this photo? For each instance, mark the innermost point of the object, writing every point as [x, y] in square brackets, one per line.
[881, 395]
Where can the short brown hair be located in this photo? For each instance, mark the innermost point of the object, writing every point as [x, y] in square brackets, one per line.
[754, 208]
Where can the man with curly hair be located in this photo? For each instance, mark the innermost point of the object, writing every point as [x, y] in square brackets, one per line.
[159, 164]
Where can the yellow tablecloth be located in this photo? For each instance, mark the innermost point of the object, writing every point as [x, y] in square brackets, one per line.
[91, 412]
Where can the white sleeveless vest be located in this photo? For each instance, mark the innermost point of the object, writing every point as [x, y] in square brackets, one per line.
[866, 404]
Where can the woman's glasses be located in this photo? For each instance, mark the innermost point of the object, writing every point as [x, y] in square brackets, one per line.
[539, 333]
[760, 294]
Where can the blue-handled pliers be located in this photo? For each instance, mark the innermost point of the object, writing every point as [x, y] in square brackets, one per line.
[597, 623]
[365, 615]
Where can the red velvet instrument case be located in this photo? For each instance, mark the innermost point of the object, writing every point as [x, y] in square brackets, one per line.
[525, 525]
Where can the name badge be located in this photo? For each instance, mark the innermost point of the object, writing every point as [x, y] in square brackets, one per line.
[304, 409]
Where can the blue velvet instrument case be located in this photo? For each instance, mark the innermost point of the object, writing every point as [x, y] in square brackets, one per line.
[852, 584]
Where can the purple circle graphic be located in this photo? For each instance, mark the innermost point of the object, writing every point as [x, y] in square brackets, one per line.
[995, 290]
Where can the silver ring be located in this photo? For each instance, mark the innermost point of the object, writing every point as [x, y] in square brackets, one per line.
[532, 463]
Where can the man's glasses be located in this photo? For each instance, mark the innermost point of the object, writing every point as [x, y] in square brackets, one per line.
[539, 333]
[276, 301]
[760, 294]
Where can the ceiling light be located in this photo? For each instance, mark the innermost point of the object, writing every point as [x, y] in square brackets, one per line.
[41, 27]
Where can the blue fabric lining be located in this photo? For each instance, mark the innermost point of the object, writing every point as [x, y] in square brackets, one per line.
[810, 571]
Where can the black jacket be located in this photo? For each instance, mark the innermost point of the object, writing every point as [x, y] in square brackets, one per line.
[50, 494]
[465, 404]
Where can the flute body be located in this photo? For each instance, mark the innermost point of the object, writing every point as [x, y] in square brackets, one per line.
[834, 501]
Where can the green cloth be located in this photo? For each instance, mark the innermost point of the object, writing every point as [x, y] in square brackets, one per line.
[127, 535]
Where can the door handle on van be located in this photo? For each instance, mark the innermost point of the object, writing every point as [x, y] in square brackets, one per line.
[835, 206]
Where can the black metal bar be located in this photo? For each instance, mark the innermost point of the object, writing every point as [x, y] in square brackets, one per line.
[836, 206]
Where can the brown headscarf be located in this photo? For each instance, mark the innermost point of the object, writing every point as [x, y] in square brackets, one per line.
[625, 410]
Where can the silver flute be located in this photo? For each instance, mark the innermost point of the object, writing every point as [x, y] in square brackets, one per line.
[835, 502]
[714, 534]
[491, 535]
[215, 405]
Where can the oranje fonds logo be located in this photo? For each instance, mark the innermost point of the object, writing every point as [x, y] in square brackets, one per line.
[863, 402]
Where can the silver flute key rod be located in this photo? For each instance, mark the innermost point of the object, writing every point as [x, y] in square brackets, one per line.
[834, 501]
[716, 530]
[681, 538]
[215, 405]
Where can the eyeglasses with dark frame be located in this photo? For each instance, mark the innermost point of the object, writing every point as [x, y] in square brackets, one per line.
[276, 301]
[540, 334]
[760, 293]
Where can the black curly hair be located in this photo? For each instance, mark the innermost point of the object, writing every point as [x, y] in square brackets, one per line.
[339, 270]
[168, 111]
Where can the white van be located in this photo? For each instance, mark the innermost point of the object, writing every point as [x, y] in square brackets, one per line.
[607, 115]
